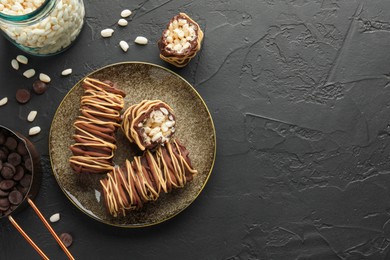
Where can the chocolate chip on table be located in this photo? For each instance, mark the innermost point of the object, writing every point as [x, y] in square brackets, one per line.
[14, 159]
[19, 173]
[11, 143]
[23, 95]
[7, 184]
[39, 87]
[15, 197]
[8, 171]
[67, 239]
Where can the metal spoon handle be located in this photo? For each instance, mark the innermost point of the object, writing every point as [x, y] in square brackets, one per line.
[53, 233]
[28, 239]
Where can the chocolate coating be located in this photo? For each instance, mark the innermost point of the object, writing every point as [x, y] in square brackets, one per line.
[131, 186]
[95, 127]
[180, 59]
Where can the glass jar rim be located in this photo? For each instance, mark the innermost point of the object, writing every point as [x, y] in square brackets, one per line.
[25, 17]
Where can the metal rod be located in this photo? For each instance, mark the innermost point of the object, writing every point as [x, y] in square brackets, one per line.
[28, 239]
[50, 229]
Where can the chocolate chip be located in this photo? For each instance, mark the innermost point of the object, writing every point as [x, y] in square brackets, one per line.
[5, 209]
[6, 184]
[19, 173]
[7, 212]
[23, 95]
[4, 203]
[3, 193]
[11, 143]
[28, 164]
[22, 189]
[39, 87]
[3, 154]
[8, 171]
[21, 149]
[15, 197]
[67, 239]
[25, 181]
[14, 159]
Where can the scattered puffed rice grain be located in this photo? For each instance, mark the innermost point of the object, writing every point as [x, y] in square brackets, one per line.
[34, 130]
[55, 217]
[66, 72]
[3, 101]
[123, 22]
[141, 40]
[124, 45]
[31, 116]
[15, 64]
[106, 32]
[45, 78]
[29, 73]
[125, 13]
[22, 59]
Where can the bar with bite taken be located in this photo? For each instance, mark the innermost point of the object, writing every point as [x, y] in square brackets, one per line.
[149, 123]
[180, 41]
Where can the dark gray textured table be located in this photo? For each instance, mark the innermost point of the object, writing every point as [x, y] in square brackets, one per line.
[299, 93]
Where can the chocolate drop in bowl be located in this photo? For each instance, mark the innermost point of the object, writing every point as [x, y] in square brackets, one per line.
[20, 150]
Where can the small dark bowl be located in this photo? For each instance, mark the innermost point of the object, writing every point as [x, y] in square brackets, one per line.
[36, 173]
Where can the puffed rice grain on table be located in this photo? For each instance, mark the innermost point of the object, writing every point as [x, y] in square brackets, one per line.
[141, 40]
[105, 33]
[124, 45]
[123, 22]
[15, 64]
[22, 59]
[3, 101]
[31, 116]
[45, 78]
[34, 130]
[29, 73]
[126, 13]
[66, 72]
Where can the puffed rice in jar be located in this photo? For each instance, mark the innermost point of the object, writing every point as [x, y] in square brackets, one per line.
[42, 27]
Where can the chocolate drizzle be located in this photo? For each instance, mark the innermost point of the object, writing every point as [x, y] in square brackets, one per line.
[135, 120]
[131, 186]
[95, 127]
[182, 57]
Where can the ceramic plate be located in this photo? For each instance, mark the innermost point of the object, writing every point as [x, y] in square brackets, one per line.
[195, 129]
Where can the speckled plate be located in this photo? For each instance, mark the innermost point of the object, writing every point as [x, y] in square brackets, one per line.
[195, 129]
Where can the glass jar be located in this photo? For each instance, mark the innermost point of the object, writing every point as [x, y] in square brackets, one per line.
[42, 27]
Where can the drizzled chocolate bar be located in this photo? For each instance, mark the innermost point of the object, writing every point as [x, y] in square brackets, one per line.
[95, 127]
[180, 41]
[129, 187]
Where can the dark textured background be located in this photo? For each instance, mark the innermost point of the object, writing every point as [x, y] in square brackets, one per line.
[299, 92]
